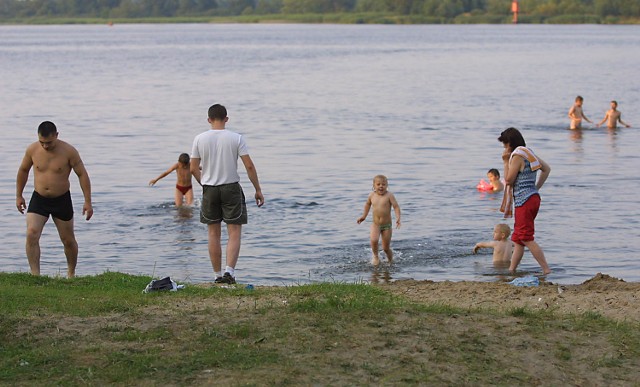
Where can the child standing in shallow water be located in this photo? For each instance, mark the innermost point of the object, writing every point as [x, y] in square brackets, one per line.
[382, 201]
[184, 190]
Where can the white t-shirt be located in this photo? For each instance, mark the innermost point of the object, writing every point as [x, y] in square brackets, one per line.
[218, 151]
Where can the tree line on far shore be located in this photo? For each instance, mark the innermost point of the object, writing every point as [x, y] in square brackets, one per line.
[427, 11]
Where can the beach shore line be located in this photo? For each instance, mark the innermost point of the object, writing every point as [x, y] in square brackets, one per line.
[608, 296]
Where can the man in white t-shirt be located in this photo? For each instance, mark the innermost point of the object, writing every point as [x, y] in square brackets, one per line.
[217, 150]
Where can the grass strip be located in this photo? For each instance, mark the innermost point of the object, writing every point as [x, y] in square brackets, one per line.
[102, 329]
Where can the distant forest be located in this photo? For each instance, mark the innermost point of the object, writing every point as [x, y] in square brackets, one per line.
[416, 11]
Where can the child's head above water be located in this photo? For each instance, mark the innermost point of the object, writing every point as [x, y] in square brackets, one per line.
[501, 232]
[184, 158]
[493, 174]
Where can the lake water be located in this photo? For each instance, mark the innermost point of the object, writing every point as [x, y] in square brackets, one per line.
[325, 108]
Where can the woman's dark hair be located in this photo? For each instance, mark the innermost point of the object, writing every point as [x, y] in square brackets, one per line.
[512, 137]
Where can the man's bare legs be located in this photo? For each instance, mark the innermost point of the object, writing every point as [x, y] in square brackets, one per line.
[35, 225]
[234, 232]
[215, 246]
[68, 238]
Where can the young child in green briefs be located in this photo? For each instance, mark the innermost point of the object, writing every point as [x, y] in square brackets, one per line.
[382, 201]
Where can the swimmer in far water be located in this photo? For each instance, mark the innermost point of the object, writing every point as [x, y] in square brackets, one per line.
[382, 201]
[184, 189]
[577, 114]
[613, 116]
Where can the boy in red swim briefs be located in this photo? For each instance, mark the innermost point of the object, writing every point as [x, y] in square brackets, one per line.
[184, 190]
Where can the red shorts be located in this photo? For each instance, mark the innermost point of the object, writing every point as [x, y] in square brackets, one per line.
[524, 228]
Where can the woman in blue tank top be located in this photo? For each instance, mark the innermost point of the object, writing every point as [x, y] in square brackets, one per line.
[520, 173]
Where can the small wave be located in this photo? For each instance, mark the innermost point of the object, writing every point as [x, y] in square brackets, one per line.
[310, 204]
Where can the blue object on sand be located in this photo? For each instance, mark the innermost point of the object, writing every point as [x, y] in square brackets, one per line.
[530, 280]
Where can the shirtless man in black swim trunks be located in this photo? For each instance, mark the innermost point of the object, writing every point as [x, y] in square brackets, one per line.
[53, 161]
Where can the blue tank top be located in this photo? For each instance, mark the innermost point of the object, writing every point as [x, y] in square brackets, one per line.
[525, 185]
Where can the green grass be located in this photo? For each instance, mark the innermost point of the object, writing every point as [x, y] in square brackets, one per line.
[102, 329]
[105, 293]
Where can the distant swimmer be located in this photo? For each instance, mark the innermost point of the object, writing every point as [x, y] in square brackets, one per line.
[184, 189]
[576, 114]
[613, 116]
[382, 202]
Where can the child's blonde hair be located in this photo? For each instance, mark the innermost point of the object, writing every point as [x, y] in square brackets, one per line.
[381, 177]
[505, 229]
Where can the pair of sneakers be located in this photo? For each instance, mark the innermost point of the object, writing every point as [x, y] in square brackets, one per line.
[226, 278]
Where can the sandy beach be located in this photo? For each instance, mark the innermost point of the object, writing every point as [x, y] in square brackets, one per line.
[603, 294]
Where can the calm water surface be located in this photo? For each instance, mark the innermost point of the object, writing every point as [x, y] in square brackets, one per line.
[324, 109]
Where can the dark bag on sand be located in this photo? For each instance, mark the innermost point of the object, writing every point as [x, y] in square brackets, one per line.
[161, 284]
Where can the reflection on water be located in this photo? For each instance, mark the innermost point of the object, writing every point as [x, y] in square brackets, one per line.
[576, 136]
[183, 218]
[184, 213]
[380, 275]
[613, 136]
